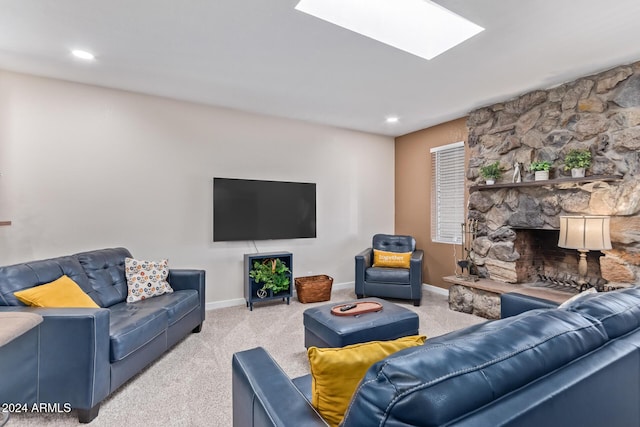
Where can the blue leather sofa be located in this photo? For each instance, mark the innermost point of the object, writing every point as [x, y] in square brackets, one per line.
[390, 282]
[574, 366]
[84, 354]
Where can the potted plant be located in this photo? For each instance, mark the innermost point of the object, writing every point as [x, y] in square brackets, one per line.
[491, 172]
[273, 273]
[541, 169]
[577, 161]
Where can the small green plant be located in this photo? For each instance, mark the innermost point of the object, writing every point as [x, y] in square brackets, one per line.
[540, 165]
[577, 159]
[492, 171]
[273, 273]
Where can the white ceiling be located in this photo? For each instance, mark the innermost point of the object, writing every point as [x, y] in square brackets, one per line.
[263, 56]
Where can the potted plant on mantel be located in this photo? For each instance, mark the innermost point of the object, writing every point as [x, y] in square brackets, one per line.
[577, 161]
[541, 169]
[491, 172]
[273, 273]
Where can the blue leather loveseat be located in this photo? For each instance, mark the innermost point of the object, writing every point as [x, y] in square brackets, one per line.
[84, 354]
[553, 367]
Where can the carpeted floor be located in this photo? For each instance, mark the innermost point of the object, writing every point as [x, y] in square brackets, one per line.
[191, 384]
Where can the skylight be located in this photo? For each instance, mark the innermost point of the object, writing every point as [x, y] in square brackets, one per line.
[419, 27]
[83, 54]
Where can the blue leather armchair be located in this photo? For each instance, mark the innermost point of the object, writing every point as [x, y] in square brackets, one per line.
[390, 282]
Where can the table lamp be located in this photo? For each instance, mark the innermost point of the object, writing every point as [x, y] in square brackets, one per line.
[584, 233]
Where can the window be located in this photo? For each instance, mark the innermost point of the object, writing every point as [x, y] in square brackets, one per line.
[447, 193]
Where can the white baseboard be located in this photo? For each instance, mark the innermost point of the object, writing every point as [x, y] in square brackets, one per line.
[341, 286]
[214, 305]
[435, 289]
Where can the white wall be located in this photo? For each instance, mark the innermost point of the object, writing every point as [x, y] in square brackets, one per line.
[85, 167]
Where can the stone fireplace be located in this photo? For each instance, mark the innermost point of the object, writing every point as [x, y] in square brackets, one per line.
[517, 238]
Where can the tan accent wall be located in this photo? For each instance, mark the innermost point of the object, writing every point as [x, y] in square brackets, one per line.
[413, 195]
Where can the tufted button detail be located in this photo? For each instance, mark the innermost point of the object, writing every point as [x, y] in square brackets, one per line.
[394, 243]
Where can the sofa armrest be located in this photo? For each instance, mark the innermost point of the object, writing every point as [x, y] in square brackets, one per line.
[74, 355]
[513, 303]
[181, 279]
[415, 266]
[363, 261]
[263, 395]
[365, 258]
[415, 275]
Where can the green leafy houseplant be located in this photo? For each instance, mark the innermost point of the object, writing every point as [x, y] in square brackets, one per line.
[577, 159]
[492, 171]
[540, 165]
[273, 273]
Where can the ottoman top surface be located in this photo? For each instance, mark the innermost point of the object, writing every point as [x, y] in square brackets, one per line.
[390, 313]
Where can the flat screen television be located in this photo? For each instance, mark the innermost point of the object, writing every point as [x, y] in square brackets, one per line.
[245, 209]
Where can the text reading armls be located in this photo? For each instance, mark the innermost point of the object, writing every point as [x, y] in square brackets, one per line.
[49, 408]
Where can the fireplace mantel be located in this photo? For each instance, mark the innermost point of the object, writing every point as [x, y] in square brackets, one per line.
[593, 178]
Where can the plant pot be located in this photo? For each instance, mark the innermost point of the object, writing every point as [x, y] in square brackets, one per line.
[577, 173]
[490, 181]
[541, 175]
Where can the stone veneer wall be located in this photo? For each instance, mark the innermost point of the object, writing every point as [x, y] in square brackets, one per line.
[599, 112]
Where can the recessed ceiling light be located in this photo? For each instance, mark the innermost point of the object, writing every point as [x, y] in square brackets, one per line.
[392, 119]
[83, 54]
[419, 27]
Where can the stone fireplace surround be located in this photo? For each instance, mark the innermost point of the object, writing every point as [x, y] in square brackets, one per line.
[540, 255]
[600, 113]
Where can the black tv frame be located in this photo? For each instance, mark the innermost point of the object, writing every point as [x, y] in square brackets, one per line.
[251, 209]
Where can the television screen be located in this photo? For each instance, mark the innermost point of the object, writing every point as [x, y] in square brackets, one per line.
[246, 209]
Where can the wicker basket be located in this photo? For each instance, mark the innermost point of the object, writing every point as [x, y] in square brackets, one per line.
[314, 288]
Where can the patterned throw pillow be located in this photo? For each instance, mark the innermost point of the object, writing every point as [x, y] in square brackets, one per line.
[146, 279]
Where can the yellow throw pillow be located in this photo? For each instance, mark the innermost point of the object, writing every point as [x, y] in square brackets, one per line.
[391, 259]
[336, 372]
[63, 292]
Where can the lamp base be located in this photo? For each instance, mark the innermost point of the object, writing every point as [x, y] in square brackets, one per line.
[582, 266]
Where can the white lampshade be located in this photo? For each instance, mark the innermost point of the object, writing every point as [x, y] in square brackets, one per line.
[584, 232]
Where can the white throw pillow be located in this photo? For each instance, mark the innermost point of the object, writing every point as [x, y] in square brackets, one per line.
[577, 297]
[146, 279]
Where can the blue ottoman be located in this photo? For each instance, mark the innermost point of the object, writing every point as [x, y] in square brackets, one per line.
[323, 329]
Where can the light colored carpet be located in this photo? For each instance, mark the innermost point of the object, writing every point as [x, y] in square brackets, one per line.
[191, 384]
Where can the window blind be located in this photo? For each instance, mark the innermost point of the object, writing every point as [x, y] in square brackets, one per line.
[447, 193]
